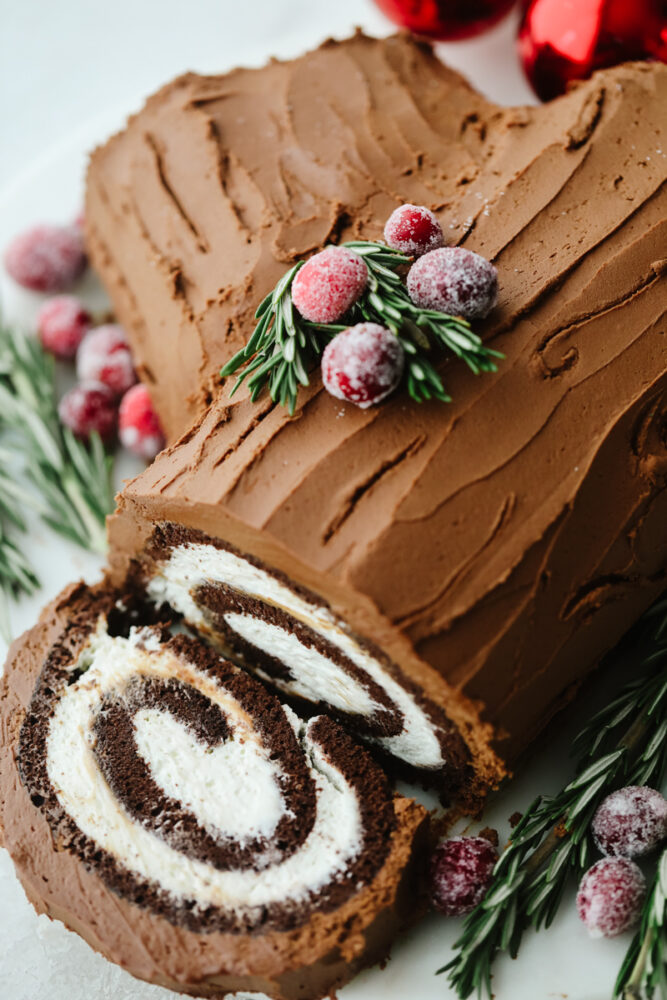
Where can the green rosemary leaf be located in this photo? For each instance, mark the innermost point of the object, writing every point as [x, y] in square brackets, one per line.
[263, 306]
[16, 575]
[643, 974]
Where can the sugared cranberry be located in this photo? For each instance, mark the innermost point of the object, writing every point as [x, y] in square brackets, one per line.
[90, 407]
[62, 323]
[454, 280]
[610, 897]
[461, 872]
[139, 428]
[414, 230]
[328, 284]
[46, 258]
[362, 364]
[630, 822]
[104, 356]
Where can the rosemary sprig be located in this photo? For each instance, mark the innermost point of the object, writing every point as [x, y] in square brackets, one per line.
[284, 347]
[74, 488]
[626, 743]
[645, 966]
[281, 349]
[16, 574]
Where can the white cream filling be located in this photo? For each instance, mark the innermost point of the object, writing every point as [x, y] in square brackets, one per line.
[86, 797]
[316, 676]
[230, 789]
[191, 565]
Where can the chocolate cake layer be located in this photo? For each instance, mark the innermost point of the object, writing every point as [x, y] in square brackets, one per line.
[494, 548]
[167, 807]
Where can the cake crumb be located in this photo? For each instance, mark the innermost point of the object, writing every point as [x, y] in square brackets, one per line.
[490, 834]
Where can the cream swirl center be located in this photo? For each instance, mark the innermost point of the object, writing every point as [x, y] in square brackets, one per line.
[207, 780]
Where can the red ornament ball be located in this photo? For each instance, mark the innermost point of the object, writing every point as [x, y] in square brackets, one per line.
[454, 280]
[139, 427]
[611, 896]
[62, 323]
[90, 407]
[104, 356]
[630, 822]
[414, 230]
[362, 364]
[461, 872]
[446, 20]
[46, 258]
[565, 40]
[328, 284]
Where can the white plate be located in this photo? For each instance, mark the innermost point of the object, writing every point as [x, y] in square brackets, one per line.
[39, 958]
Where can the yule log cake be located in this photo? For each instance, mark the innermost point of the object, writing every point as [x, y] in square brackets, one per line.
[162, 803]
[487, 551]
[436, 578]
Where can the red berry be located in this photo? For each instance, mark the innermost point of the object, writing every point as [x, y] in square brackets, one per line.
[461, 872]
[630, 822]
[104, 356]
[454, 280]
[46, 258]
[62, 323]
[328, 284]
[610, 897]
[413, 229]
[139, 428]
[362, 364]
[90, 407]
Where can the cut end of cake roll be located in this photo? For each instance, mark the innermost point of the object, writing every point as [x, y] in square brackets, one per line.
[291, 639]
[161, 802]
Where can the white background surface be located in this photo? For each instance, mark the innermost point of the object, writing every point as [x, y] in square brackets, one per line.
[69, 72]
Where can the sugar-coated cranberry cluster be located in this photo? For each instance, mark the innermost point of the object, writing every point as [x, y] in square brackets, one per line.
[107, 398]
[629, 823]
[365, 362]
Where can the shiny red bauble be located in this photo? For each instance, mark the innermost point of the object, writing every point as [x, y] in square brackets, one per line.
[565, 40]
[445, 20]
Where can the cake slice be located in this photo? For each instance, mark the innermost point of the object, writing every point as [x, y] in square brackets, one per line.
[164, 805]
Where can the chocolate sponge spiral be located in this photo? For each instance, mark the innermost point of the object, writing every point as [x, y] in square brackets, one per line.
[192, 791]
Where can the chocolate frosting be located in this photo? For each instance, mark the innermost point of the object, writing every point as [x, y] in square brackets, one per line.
[495, 547]
[307, 957]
